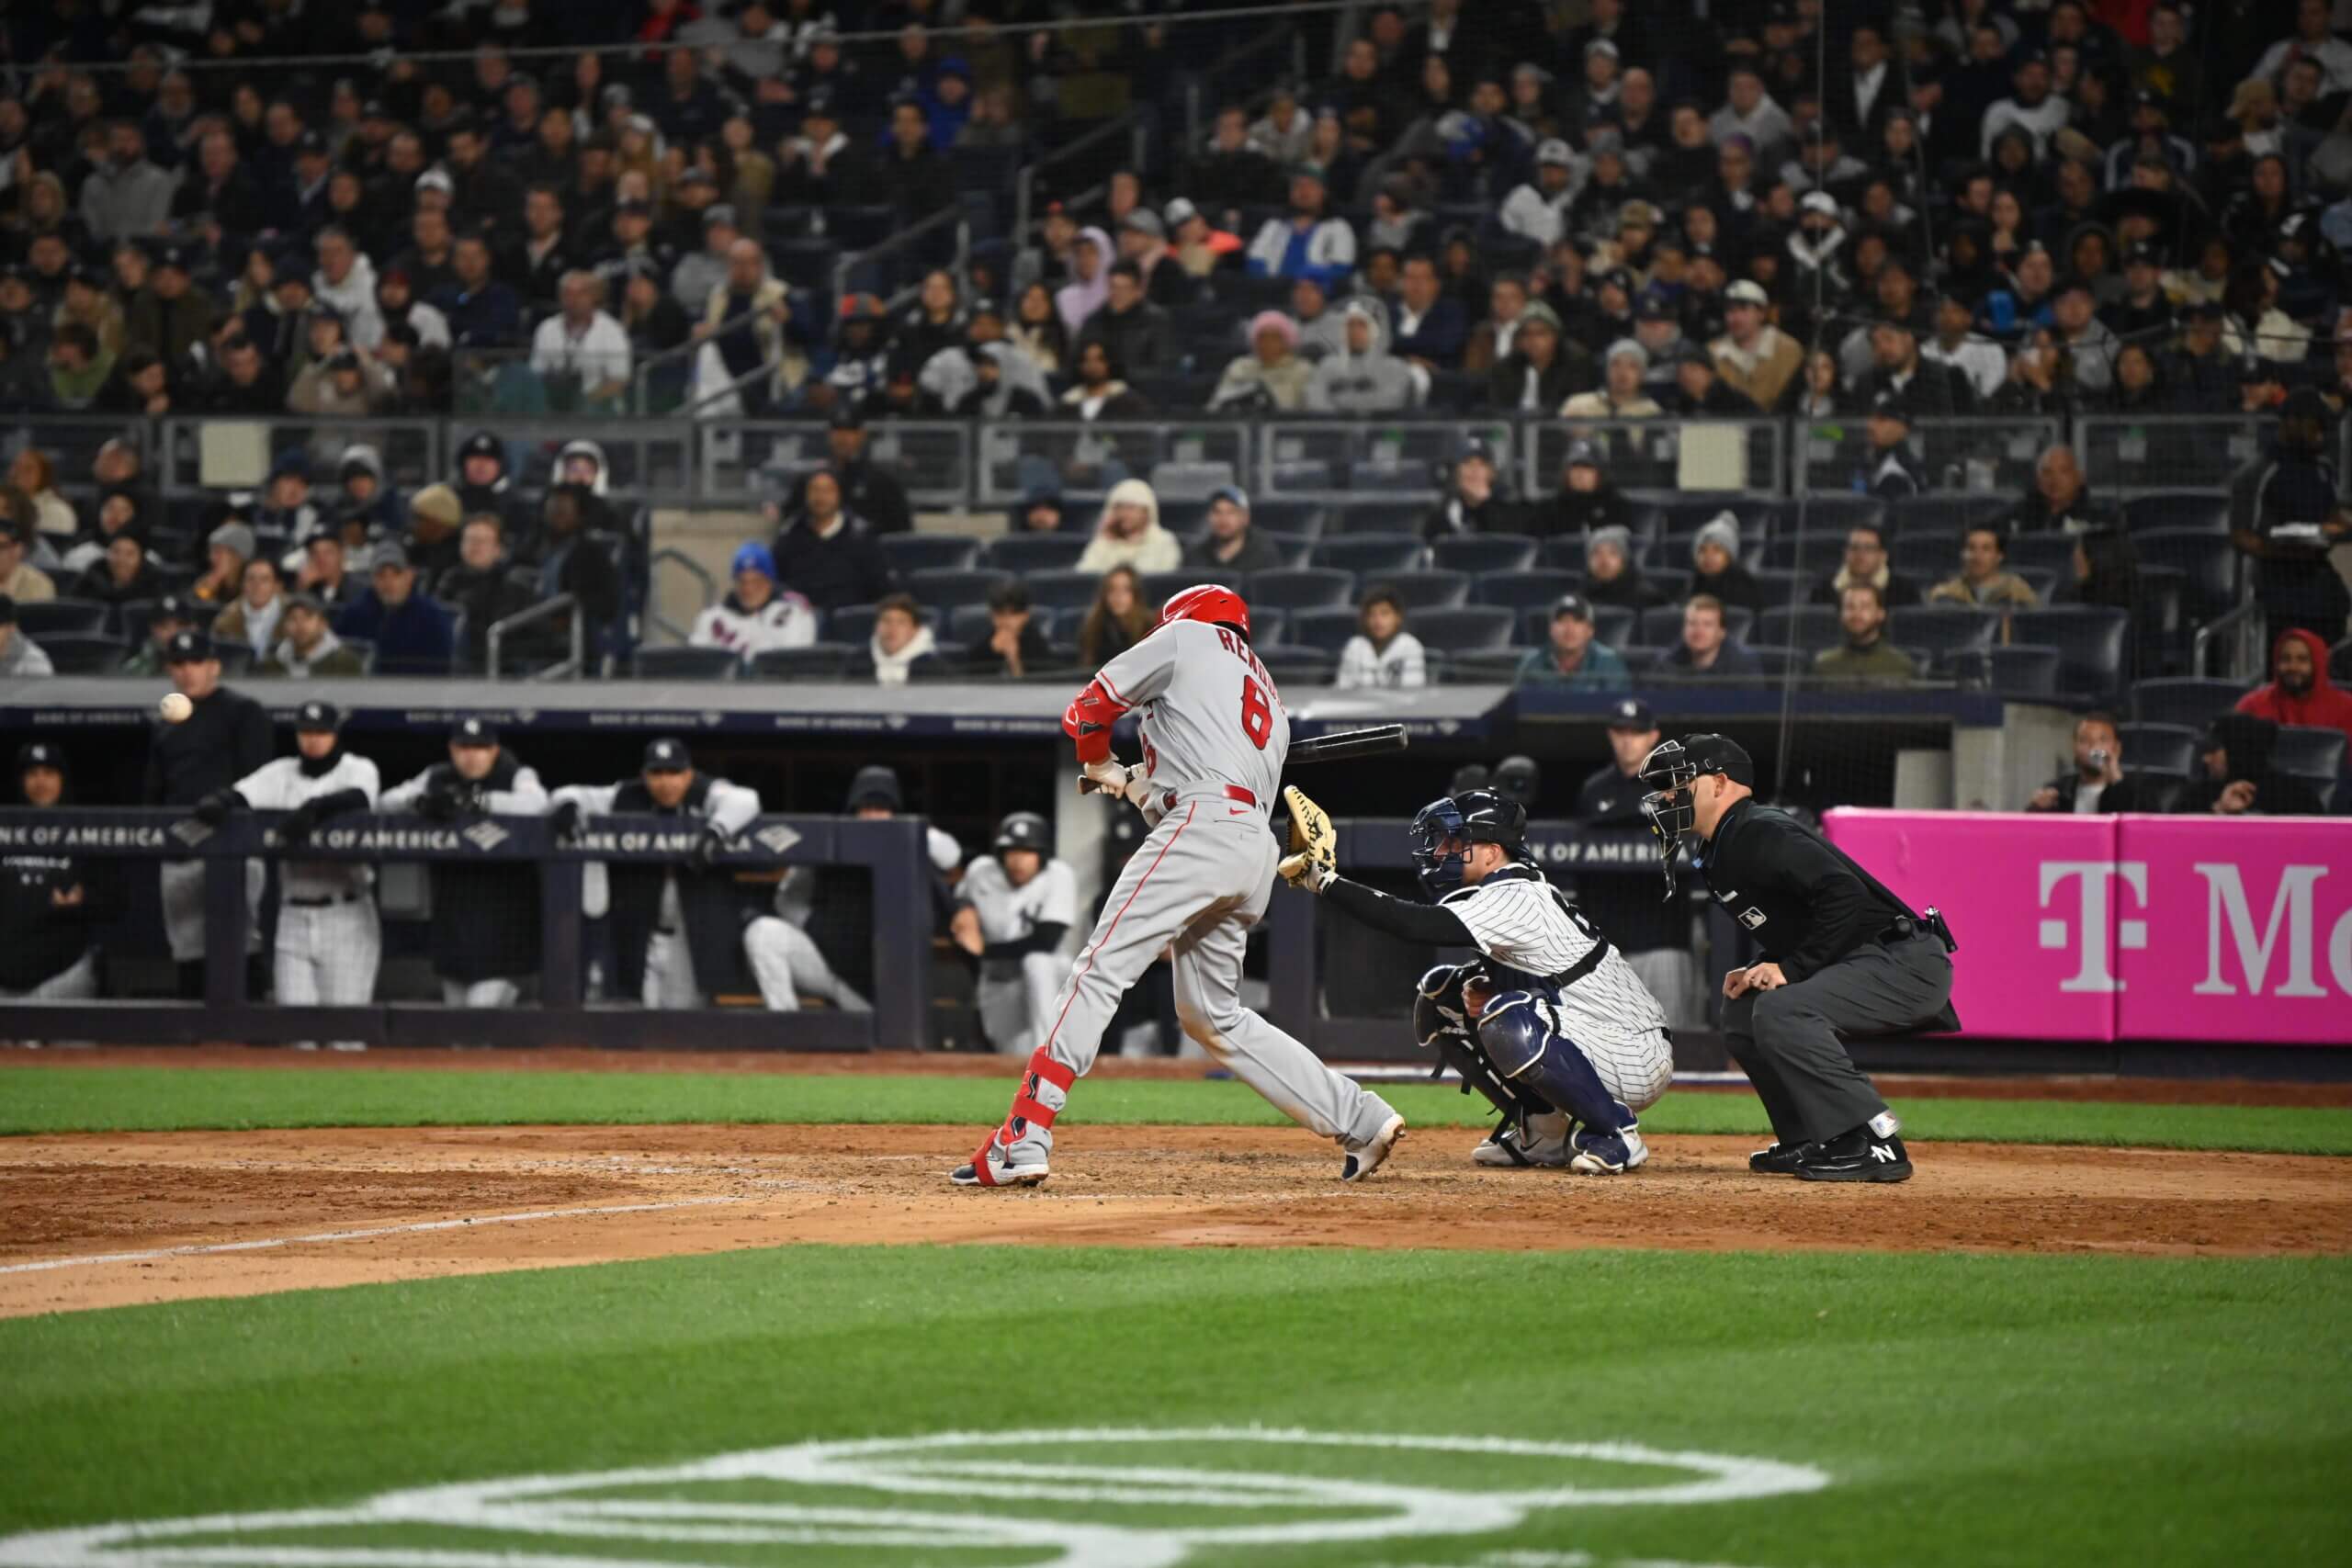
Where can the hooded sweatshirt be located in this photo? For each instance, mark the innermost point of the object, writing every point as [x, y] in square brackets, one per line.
[890, 668]
[356, 298]
[2324, 704]
[1078, 300]
[1154, 549]
[1374, 381]
[952, 375]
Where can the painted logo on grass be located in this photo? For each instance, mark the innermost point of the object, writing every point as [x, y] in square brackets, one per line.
[1113, 1497]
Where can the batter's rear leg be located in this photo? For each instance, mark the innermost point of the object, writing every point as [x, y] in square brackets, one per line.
[1291, 1077]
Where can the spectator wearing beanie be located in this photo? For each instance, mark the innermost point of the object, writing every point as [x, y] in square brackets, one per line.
[1715, 555]
[1612, 575]
[757, 615]
[1272, 376]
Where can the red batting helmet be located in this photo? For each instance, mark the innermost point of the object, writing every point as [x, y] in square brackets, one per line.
[1207, 603]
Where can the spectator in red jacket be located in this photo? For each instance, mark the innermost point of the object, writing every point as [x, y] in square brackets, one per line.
[2300, 690]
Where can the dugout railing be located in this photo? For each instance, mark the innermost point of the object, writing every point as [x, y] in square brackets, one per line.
[139, 839]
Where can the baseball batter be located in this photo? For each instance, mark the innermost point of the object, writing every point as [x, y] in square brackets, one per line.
[1013, 909]
[1215, 735]
[329, 938]
[1549, 1022]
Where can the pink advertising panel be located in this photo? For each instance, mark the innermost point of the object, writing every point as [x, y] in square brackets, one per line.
[2148, 928]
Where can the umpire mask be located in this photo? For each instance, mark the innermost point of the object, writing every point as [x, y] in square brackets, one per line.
[1670, 771]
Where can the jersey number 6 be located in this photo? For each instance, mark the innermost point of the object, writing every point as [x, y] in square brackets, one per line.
[1257, 713]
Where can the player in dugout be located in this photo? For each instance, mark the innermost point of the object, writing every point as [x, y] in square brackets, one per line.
[1549, 1023]
[1842, 956]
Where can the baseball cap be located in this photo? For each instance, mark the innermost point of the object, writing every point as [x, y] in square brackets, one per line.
[1653, 308]
[2143, 253]
[39, 754]
[1554, 151]
[875, 785]
[719, 212]
[473, 732]
[1583, 455]
[309, 601]
[1232, 493]
[434, 180]
[389, 556]
[1179, 212]
[1631, 713]
[1820, 201]
[1475, 448]
[1720, 754]
[666, 756]
[188, 648]
[170, 608]
[316, 716]
[1144, 220]
[1571, 604]
[1891, 404]
[1746, 291]
[1540, 314]
[846, 416]
[482, 444]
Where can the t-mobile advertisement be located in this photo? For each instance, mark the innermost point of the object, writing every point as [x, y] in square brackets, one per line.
[2137, 927]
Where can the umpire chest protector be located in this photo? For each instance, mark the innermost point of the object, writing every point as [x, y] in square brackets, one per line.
[485, 913]
[710, 901]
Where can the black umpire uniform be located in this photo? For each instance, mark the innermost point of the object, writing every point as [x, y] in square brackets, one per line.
[226, 737]
[1855, 958]
[2284, 512]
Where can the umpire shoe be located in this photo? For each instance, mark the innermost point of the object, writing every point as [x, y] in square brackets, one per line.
[1543, 1141]
[1780, 1159]
[1859, 1155]
[1364, 1158]
[1606, 1154]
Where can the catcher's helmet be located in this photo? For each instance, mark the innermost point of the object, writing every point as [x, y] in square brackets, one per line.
[1022, 831]
[1210, 602]
[1474, 817]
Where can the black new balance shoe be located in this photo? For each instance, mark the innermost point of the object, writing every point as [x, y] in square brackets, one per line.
[1859, 1155]
[1780, 1159]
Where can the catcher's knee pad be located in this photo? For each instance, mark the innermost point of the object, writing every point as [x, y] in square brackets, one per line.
[1438, 1007]
[1513, 1031]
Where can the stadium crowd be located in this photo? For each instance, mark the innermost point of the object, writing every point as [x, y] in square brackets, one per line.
[1595, 213]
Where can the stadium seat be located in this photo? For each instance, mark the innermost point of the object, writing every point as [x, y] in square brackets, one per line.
[854, 623]
[1025, 554]
[1522, 590]
[1671, 512]
[1662, 624]
[1309, 588]
[1383, 516]
[1480, 554]
[2042, 552]
[1369, 555]
[2089, 641]
[84, 653]
[968, 623]
[1816, 553]
[1296, 519]
[236, 658]
[1424, 590]
[2023, 669]
[1477, 666]
[1463, 628]
[1063, 589]
[910, 553]
[2199, 511]
[947, 587]
[1159, 587]
[1189, 481]
[2207, 563]
[1943, 515]
[2186, 700]
[1808, 628]
[685, 664]
[2312, 752]
[1326, 629]
[1825, 515]
[41, 619]
[1928, 556]
[1294, 664]
[2167, 749]
[1267, 626]
[1941, 631]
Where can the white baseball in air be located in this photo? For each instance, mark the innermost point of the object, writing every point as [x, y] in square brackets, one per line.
[175, 708]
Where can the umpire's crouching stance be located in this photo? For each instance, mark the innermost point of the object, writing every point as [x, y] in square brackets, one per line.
[1844, 957]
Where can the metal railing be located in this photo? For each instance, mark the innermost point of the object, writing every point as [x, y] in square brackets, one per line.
[641, 398]
[544, 609]
[1956, 456]
[2121, 455]
[847, 264]
[694, 568]
[1133, 125]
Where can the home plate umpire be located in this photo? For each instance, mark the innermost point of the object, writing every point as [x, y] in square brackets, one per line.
[1842, 956]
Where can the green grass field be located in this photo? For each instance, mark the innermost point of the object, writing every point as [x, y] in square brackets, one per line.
[58, 1100]
[912, 1407]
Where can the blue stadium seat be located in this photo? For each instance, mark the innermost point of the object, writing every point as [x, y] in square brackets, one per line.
[2089, 641]
[2184, 699]
[1944, 515]
[1063, 589]
[1927, 555]
[1424, 590]
[1479, 554]
[967, 624]
[1298, 519]
[1159, 587]
[1376, 517]
[685, 664]
[1267, 626]
[41, 619]
[1816, 553]
[1294, 664]
[1326, 629]
[87, 653]
[854, 623]
[1827, 515]
[1943, 631]
[910, 553]
[1521, 590]
[2167, 749]
[2207, 564]
[1808, 628]
[1024, 554]
[1369, 555]
[2020, 671]
[1308, 588]
[1673, 511]
[1464, 628]
[947, 587]
[2312, 752]
[2203, 511]
[1484, 666]
[2042, 552]
[818, 661]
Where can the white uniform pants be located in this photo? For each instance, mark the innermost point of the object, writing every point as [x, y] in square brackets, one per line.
[495, 992]
[78, 981]
[1672, 975]
[1197, 884]
[670, 972]
[1015, 998]
[788, 966]
[327, 953]
[182, 884]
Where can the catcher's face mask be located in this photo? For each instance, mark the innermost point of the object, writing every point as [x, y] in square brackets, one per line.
[1671, 811]
[1439, 847]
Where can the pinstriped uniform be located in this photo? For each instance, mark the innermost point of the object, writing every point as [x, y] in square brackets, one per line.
[329, 941]
[1529, 930]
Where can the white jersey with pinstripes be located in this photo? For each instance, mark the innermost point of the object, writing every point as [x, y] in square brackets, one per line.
[281, 785]
[1523, 922]
[1209, 711]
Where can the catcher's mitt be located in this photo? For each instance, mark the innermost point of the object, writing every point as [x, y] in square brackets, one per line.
[1315, 845]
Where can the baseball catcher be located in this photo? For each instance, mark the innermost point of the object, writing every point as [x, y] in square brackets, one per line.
[1549, 1023]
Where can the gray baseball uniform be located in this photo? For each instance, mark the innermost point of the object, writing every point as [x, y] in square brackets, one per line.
[1016, 995]
[1215, 735]
[329, 938]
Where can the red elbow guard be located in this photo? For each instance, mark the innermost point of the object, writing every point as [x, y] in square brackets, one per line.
[1089, 720]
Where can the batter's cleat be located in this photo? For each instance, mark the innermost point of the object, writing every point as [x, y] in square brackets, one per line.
[1780, 1159]
[1606, 1154]
[1366, 1158]
[1543, 1141]
[1024, 1164]
[1859, 1155]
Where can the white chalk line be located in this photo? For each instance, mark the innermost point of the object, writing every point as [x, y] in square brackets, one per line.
[418, 1227]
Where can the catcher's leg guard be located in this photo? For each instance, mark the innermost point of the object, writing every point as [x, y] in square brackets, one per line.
[1440, 1024]
[1518, 1036]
